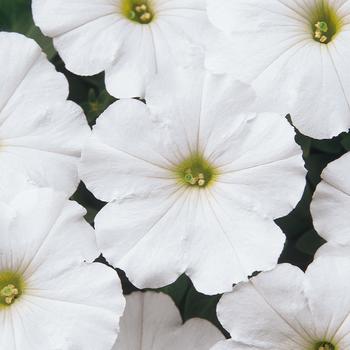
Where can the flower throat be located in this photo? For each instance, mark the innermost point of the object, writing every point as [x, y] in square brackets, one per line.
[137, 11]
[11, 287]
[195, 171]
[325, 23]
[325, 346]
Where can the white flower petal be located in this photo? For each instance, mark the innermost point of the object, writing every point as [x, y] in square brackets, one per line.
[230, 16]
[26, 75]
[199, 223]
[146, 237]
[238, 233]
[331, 202]
[202, 95]
[148, 318]
[194, 334]
[134, 146]
[73, 13]
[45, 147]
[232, 345]
[56, 221]
[83, 306]
[137, 62]
[88, 34]
[270, 302]
[246, 164]
[333, 249]
[325, 114]
[12, 183]
[94, 46]
[41, 134]
[328, 297]
[152, 321]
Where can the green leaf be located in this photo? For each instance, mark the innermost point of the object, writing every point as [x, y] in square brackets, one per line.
[309, 242]
[95, 105]
[345, 141]
[178, 290]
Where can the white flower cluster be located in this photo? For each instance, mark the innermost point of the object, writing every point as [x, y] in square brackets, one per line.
[194, 173]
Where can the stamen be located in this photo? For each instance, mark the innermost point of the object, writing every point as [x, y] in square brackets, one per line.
[145, 17]
[201, 183]
[196, 171]
[140, 12]
[194, 180]
[321, 30]
[325, 346]
[9, 293]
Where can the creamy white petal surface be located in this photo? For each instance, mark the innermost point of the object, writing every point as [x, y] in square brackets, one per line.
[333, 249]
[19, 183]
[331, 202]
[158, 226]
[41, 134]
[285, 309]
[151, 321]
[273, 45]
[96, 35]
[63, 300]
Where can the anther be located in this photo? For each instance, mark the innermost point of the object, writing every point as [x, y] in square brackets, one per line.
[9, 293]
[201, 183]
[321, 30]
[326, 346]
[194, 180]
[138, 9]
[145, 17]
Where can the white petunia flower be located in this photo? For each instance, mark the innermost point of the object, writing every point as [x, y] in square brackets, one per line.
[151, 321]
[285, 309]
[294, 52]
[330, 205]
[41, 134]
[51, 295]
[130, 39]
[194, 182]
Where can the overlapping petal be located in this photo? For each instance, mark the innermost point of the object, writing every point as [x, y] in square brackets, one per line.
[41, 134]
[331, 202]
[152, 322]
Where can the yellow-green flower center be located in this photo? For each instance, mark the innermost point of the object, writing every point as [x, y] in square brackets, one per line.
[324, 346]
[195, 171]
[137, 10]
[11, 288]
[325, 22]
